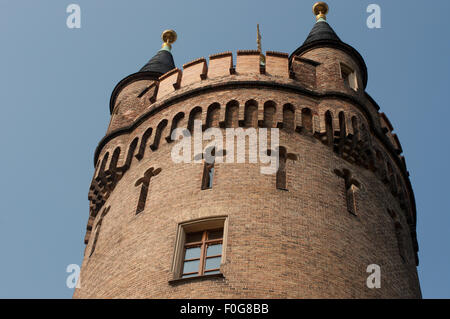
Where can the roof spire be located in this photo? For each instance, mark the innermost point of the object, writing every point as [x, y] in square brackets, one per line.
[262, 59]
[162, 61]
[168, 37]
[320, 9]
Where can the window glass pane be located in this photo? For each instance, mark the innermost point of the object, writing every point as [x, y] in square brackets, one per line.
[215, 234]
[211, 176]
[191, 275]
[191, 266]
[212, 263]
[193, 237]
[192, 253]
[212, 272]
[214, 250]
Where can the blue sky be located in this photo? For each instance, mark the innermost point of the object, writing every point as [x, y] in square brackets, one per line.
[56, 83]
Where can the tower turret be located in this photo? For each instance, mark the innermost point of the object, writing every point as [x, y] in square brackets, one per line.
[127, 98]
[322, 44]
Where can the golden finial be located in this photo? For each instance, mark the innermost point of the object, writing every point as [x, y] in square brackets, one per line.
[320, 9]
[262, 59]
[168, 37]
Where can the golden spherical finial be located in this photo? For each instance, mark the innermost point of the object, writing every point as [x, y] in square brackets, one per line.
[168, 37]
[320, 9]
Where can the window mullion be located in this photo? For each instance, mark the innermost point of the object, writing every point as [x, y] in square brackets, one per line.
[203, 254]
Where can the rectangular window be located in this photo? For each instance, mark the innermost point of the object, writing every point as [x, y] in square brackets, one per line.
[208, 176]
[349, 77]
[202, 253]
[200, 247]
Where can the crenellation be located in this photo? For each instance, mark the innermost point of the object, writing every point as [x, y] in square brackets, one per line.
[220, 64]
[248, 62]
[277, 64]
[194, 71]
[169, 83]
[151, 93]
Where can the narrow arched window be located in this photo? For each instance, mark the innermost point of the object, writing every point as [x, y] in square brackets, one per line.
[251, 114]
[307, 120]
[269, 114]
[176, 122]
[159, 134]
[101, 170]
[212, 115]
[114, 160]
[195, 115]
[288, 118]
[208, 171]
[342, 125]
[130, 154]
[231, 114]
[329, 128]
[144, 139]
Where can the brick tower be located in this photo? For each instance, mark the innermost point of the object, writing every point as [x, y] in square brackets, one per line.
[340, 201]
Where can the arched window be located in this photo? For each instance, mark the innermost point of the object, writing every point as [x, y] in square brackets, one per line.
[130, 154]
[231, 114]
[355, 127]
[145, 137]
[159, 133]
[176, 122]
[101, 171]
[196, 114]
[212, 115]
[307, 122]
[342, 124]
[251, 114]
[208, 171]
[269, 114]
[114, 160]
[288, 118]
[329, 128]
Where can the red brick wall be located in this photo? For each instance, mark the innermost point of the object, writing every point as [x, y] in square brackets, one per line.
[300, 243]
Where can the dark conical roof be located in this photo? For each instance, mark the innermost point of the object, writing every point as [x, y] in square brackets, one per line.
[321, 31]
[322, 35]
[161, 63]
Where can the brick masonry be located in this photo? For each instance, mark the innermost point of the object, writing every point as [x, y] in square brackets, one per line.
[299, 243]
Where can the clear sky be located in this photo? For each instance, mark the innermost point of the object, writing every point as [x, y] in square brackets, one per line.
[55, 85]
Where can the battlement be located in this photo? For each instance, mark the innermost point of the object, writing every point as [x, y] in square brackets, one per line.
[220, 65]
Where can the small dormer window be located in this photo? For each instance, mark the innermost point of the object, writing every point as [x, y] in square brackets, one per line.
[349, 77]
